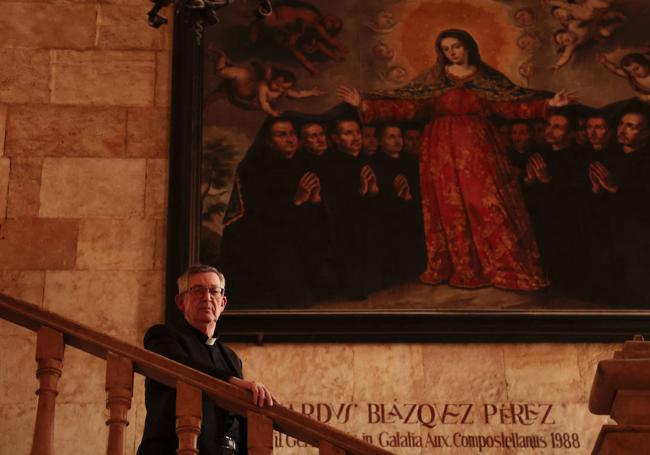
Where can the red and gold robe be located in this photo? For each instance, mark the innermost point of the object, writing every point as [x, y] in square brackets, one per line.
[477, 229]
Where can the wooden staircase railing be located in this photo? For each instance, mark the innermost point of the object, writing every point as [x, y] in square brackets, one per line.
[54, 332]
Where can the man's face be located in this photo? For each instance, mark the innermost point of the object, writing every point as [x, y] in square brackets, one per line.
[557, 131]
[314, 139]
[582, 135]
[348, 137]
[283, 139]
[632, 131]
[369, 140]
[598, 132]
[412, 142]
[520, 134]
[200, 304]
[391, 141]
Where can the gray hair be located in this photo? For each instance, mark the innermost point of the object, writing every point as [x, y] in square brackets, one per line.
[184, 280]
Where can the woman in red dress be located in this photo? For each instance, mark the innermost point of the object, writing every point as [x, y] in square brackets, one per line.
[477, 230]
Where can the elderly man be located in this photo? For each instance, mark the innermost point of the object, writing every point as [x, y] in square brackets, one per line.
[201, 299]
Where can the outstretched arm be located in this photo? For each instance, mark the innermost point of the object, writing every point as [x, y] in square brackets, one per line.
[305, 93]
[611, 66]
[261, 394]
[264, 99]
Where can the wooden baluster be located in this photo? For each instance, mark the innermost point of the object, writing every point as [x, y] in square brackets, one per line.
[327, 448]
[119, 391]
[49, 357]
[189, 410]
[260, 434]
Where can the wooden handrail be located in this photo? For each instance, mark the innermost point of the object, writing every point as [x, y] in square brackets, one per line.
[168, 372]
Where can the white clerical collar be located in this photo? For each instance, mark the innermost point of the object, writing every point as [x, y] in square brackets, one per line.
[210, 341]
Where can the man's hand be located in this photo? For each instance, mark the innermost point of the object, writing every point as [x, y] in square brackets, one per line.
[368, 182]
[599, 175]
[538, 167]
[261, 395]
[306, 186]
[402, 189]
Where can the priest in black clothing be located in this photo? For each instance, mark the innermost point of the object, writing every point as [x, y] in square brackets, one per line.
[351, 190]
[201, 298]
[402, 231]
[624, 180]
[260, 251]
[554, 176]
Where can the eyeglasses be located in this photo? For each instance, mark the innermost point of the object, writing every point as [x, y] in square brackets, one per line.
[199, 291]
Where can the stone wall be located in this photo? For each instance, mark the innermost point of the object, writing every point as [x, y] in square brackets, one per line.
[84, 105]
[84, 112]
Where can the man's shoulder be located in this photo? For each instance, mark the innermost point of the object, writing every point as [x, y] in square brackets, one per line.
[161, 332]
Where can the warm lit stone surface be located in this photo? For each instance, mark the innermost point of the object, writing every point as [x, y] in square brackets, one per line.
[4, 185]
[163, 78]
[482, 380]
[81, 422]
[329, 366]
[387, 372]
[147, 133]
[17, 426]
[156, 190]
[92, 187]
[121, 304]
[25, 76]
[588, 357]
[17, 366]
[24, 187]
[23, 285]
[3, 124]
[116, 244]
[65, 131]
[121, 27]
[560, 380]
[61, 25]
[84, 378]
[124, 78]
[160, 250]
[38, 244]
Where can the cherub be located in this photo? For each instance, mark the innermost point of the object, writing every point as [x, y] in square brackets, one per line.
[256, 86]
[383, 52]
[635, 68]
[568, 40]
[383, 22]
[602, 20]
[525, 17]
[300, 28]
[526, 69]
[394, 74]
[528, 42]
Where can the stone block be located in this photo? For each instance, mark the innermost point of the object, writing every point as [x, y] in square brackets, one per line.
[92, 187]
[24, 76]
[119, 304]
[463, 373]
[156, 188]
[47, 25]
[120, 27]
[163, 78]
[18, 367]
[65, 131]
[124, 78]
[4, 186]
[3, 129]
[160, 250]
[38, 244]
[116, 244]
[24, 285]
[544, 372]
[147, 133]
[386, 372]
[23, 198]
[17, 426]
[329, 367]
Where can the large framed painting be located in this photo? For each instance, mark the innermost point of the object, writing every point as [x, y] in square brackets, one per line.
[417, 169]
